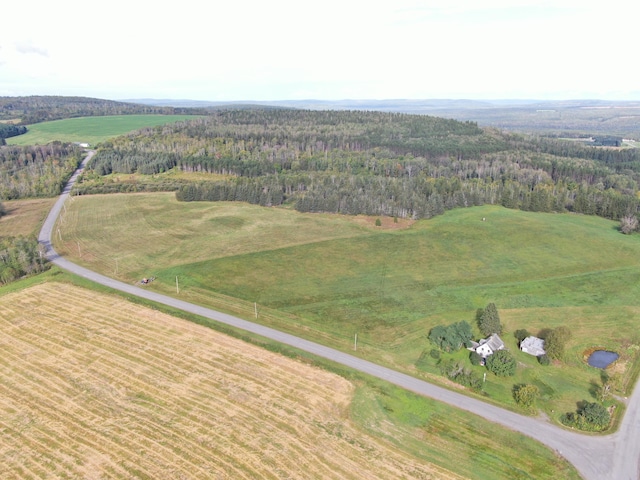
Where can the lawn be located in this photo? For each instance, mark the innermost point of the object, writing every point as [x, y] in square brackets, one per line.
[330, 277]
[91, 130]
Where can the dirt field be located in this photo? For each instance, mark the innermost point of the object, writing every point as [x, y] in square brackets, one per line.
[95, 387]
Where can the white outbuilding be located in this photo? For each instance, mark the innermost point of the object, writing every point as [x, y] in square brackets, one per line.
[533, 346]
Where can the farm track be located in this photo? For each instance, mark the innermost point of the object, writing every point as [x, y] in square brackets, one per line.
[614, 457]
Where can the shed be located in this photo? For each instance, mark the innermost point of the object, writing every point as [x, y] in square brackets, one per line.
[533, 346]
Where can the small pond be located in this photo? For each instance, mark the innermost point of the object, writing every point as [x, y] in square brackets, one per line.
[602, 358]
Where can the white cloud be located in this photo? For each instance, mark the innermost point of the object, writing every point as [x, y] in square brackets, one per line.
[28, 47]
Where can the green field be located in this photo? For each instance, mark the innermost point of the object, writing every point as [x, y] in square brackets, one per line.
[329, 277]
[91, 130]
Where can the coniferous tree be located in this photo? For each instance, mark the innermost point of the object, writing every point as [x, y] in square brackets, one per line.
[489, 320]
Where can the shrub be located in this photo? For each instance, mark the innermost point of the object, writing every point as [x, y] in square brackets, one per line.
[628, 224]
[456, 371]
[475, 358]
[544, 360]
[525, 395]
[592, 417]
[435, 353]
[378, 222]
[521, 334]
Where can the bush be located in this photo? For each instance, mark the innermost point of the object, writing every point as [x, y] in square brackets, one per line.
[521, 334]
[435, 353]
[628, 224]
[544, 360]
[525, 395]
[592, 417]
[475, 358]
[502, 363]
[456, 371]
[378, 222]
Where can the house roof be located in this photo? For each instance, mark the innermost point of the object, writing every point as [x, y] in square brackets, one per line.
[494, 342]
[489, 345]
[533, 346]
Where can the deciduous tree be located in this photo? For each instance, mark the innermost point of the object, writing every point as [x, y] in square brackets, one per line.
[502, 363]
[525, 395]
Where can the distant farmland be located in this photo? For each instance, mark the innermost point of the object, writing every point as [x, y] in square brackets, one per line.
[92, 130]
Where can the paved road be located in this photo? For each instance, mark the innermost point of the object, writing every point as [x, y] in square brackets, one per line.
[611, 457]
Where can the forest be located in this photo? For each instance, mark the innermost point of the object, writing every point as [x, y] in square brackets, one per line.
[36, 109]
[377, 163]
[20, 256]
[36, 171]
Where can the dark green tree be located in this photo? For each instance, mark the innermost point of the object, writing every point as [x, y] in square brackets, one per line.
[451, 337]
[502, 363]
[590, 416]
[555, 341]
[475, 358]
[489, 320]
[521, 334]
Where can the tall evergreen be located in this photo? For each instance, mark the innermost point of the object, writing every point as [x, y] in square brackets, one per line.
[489, 320]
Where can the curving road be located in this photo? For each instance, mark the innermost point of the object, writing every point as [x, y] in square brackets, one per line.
[611, 457]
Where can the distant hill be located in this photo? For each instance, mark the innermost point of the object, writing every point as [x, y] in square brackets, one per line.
[548, 117]
[36, 109]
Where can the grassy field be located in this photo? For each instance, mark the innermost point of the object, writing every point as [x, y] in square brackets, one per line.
[91, 130]
[97, 387]
[24, 217]
[329, 277]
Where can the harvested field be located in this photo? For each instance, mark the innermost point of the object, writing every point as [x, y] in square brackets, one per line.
[96, 387]
[24, 217]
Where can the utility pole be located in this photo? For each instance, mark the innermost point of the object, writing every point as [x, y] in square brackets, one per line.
[255, 308]
[79, 251]
[177, 287]
[355, 343]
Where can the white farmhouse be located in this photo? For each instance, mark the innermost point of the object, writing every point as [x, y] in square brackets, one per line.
[487, 346]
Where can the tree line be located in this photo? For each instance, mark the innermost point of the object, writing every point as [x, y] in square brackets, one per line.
[378, 163]
[19, 257]
[36, 109]
[9, 130]
[36, 171]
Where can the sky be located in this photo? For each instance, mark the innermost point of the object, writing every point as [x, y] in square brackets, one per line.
[329, 50]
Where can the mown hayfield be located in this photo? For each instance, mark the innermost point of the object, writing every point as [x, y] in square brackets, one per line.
[91, 130]
[24, 217]
[328, 277]
[96, 387]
